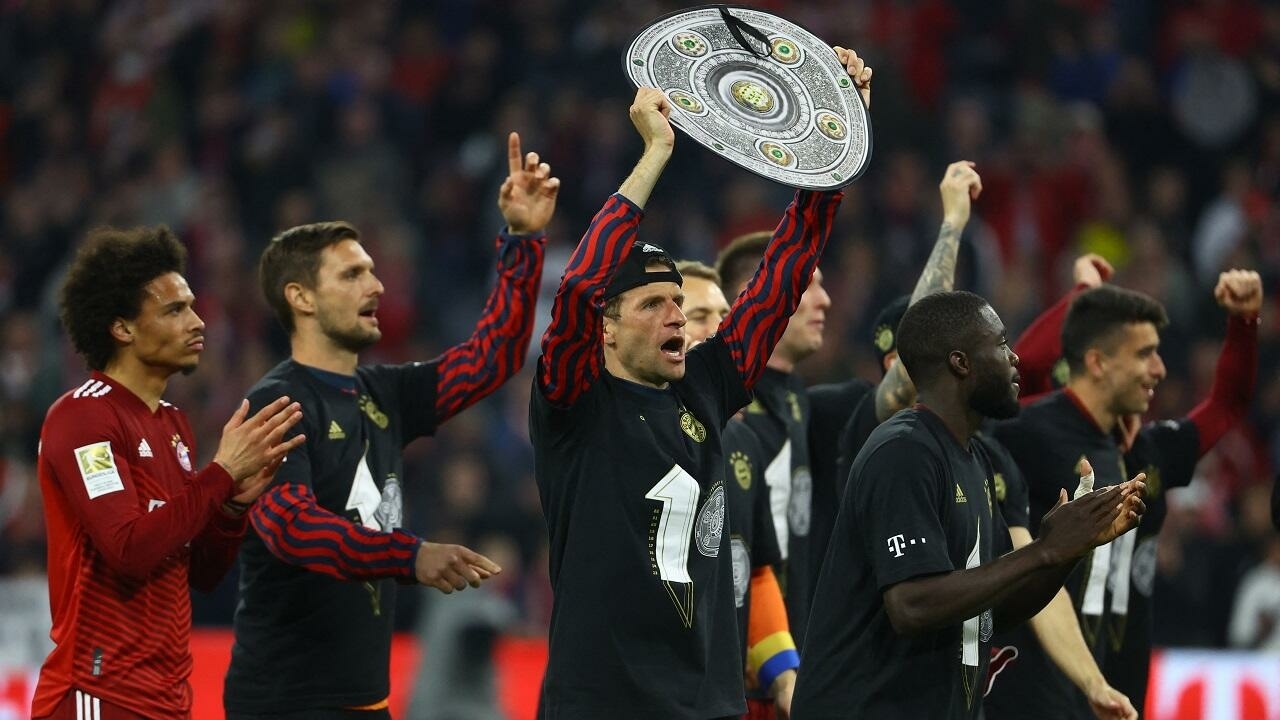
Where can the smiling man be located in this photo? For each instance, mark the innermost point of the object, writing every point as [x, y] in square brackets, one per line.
[317, 587]
[1111, 343]
[131, 521]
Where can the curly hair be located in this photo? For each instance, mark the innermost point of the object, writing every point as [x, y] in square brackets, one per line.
[107, 281]
[294, 256]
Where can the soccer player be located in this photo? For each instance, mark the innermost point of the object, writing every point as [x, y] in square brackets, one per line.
[131, 521]
[1056, 625]
[1110, 340]
[798, 426]
[770, 658]
[626, 429]
[909, 591]
[313, 628]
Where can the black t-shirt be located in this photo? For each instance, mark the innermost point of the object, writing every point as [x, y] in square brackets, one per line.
[779, 415]
[917, 504]
[1009, 485]
[751, 534]
[830, 406]
[288, 616]
[1111, 590]
[632, 481]
[853, 435]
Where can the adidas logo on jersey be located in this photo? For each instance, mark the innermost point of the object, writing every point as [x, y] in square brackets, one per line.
[960, 498]
[144, 450]
[335, 432]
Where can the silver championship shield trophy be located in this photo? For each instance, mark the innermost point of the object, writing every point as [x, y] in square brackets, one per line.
[759, 90]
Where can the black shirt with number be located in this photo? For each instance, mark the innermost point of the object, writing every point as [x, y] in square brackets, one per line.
[779, 415]
[751, 535]
[1111, 589]
[917, 504]
[632, 481]
[289, 616]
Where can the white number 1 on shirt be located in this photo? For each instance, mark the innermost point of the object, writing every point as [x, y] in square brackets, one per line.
[678, 493]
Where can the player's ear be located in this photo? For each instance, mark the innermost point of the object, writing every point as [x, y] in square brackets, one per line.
[122, 331]
[958, 363]
[1095, 363]
[299, 298]
[610, 328]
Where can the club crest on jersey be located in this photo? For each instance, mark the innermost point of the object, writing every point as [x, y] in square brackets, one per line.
[692, 426]
[794, 402]
[1002, 487]
[709, 527]
[741, 465]
[370, 408]
[184, 454]
[98, 469]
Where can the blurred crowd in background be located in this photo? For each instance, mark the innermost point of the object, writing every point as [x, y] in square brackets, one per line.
[1145, 130]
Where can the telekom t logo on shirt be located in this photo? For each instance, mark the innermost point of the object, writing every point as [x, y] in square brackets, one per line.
[898, 542]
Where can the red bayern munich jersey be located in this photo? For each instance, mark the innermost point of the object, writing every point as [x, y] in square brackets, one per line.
[130, 524]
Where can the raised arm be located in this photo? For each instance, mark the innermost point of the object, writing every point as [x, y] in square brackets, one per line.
[1040, 346]
[572, 348]
[496, 350]
[1240, 292]
[960, 186]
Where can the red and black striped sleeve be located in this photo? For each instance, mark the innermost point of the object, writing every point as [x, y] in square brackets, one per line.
[298, 531]
[471, 370]
[1040, 346]
[572, 353]
[761, 313]
[1233, 383]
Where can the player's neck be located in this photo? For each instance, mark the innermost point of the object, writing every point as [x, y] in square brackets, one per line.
[317, 351]
[1094, 402]
[145, 381]
[781, 362]
[954, 412]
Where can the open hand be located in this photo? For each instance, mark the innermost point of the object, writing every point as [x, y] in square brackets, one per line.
[527, 198]
[250, 445]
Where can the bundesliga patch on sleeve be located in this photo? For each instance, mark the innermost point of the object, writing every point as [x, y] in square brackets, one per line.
[98, 469]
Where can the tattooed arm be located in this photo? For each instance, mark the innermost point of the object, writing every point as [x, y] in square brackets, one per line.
[959, 187]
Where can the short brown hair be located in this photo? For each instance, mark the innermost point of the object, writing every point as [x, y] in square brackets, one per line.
[107, 281]
[739, 259]
[294, 256]
[694, 268]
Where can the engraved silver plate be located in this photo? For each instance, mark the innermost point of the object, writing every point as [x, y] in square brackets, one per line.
[787, 111]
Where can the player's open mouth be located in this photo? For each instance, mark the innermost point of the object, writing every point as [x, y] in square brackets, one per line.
[674, 348]
[370, 313]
